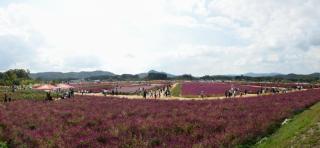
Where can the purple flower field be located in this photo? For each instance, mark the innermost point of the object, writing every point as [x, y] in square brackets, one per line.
[213, 89]
[125, 88]
[108, 122]
[285, 85]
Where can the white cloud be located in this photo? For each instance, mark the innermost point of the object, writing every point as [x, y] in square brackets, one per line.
[275, 24]
[209, 36]
[18, 40]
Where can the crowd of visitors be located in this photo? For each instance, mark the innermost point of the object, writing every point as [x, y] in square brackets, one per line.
[158, 92]
[233, 92]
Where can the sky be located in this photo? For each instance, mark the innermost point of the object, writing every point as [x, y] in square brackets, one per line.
[199, 37]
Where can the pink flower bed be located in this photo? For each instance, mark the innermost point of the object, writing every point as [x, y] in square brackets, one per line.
[208, 88]
[107, 122]
[93, 87]
[126, 88]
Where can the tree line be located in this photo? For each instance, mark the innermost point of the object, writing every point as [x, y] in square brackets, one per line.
[22, 77]
[15, 77]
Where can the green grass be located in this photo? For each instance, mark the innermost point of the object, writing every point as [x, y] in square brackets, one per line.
[24, 94]
[176, 91]
[3, 145]
[302, 131]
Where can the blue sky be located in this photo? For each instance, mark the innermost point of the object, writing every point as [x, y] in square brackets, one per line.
[177, 36]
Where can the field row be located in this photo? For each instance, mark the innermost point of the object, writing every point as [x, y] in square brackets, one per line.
[121, 88]
[191, 89]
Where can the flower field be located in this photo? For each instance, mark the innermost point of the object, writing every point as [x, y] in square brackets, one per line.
[123, 88]
[93, 87]
[87, 121]
[213, 89]
[284, 85]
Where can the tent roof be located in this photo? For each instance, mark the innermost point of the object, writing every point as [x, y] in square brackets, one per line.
[46, 87]
[64, 86]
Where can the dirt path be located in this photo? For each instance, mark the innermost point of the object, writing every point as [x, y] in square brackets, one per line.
[166, 98]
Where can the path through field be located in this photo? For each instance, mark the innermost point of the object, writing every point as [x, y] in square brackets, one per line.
[170, 97]
[177, 97]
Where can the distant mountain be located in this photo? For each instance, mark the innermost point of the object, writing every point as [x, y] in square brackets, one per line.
[299, 76]
[69, 75]
[84, 75]
[143, 75]
[250, 74]
[105, 75]
[315, 75]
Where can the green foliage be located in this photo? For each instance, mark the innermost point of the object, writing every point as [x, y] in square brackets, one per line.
[14, 77]
[28, 82]
[176, 91]
[157, 76]
[3, 145]
[185, 77]
[290, 134]
[27, 94]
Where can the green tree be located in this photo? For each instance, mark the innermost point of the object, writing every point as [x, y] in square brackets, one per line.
[14, 76]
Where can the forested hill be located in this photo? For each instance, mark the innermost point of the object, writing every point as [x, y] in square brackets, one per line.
[154, 75]
[69, 75]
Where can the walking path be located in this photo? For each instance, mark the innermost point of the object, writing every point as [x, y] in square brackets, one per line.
[175, 98]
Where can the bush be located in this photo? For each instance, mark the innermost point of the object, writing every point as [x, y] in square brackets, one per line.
[3, 145]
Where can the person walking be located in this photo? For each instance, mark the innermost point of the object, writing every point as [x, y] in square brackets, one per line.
[202, 94]
[144, 94]
[72, 92]
[5, 97]
[226, 93]
[155, 95]
[49, 97]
